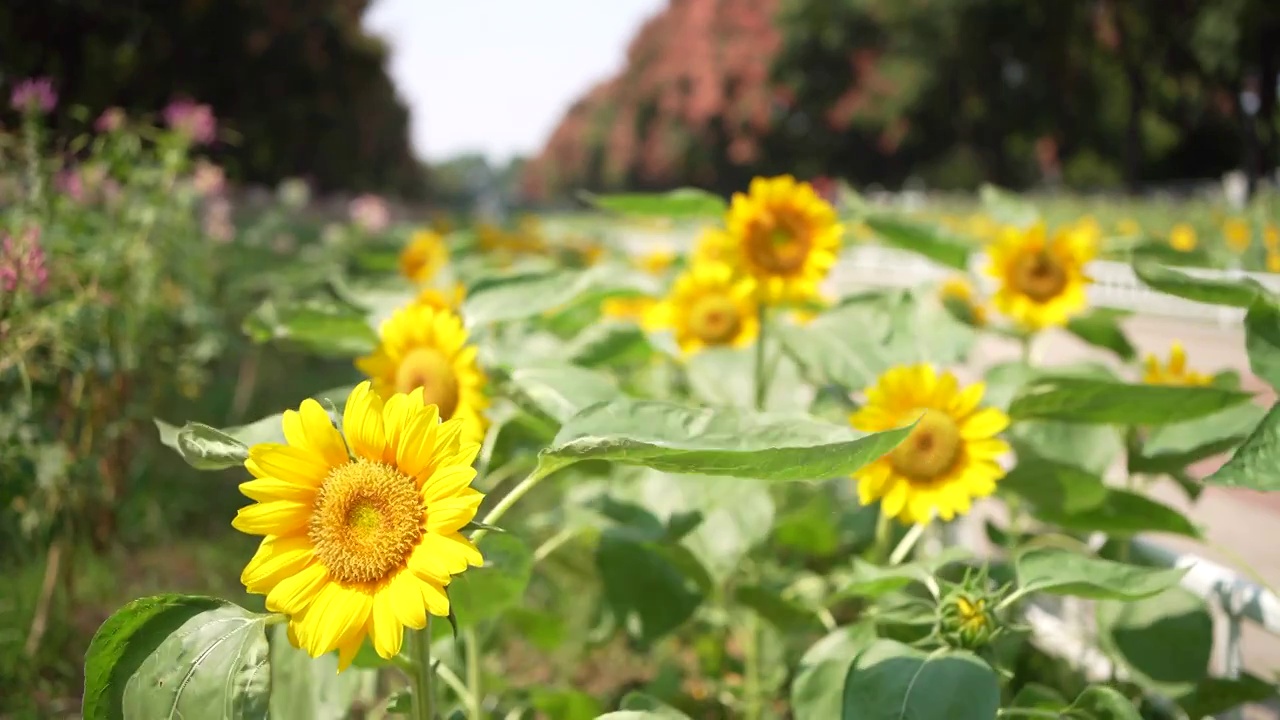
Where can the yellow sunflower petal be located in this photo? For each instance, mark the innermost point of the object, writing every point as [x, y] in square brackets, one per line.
[277, 558]
[385, 629]
[278, 517]
[362, 422]
[404, 599]
[309, 428]
[450, 515]
[337, 612]
[269, 488]
[290, 464]
[295, 593]
[983, 423]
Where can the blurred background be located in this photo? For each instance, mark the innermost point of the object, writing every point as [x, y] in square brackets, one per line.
[173, 172]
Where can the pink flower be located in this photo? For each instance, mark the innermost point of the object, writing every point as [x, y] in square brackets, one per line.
[218, 224]
[192, 119]
[70, 183]
[111, 120]
[34, 95]
[208, 179]
[370, 213]
[22, 263]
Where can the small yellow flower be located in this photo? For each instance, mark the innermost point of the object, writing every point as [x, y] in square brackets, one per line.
[1088, 227]
[1175, 372]
[959, 291]
[362, 532]
[1042, 278]
[1182, 237]
[947, 461]
[1128, 227]
[656, 262]
[1271, 237]
[425, 347]
[714, 246]
[424, 256]
[1238, 234]
[1273, 261]
[628, 307]
[709, 306]
[786, 237]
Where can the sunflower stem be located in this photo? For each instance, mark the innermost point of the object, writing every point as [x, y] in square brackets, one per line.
[908, 541]
[761, 385]
[530, 482]
[474, 691]
[884, 536]
[752, 692]
[423, 674]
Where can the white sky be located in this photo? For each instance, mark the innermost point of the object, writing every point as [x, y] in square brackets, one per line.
[495, 76]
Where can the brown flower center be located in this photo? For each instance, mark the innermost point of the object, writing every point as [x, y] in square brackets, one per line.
[429, 369]
[714, 319]
[930, 450]
[1039, 276]
[366, 520]
[779, 244]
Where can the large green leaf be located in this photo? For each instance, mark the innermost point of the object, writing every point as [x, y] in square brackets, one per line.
[609, 343]
[1262, 339]
[559, 390]
[204, 447]
[1120, 512]
[1254, 463]
[647, 593]
[844, 347]
[893, 681]
[725, 377]
[1213, 696]
[178, 656]
[1100, 327]
[1099, 702]
[483, 593]
[705, 441]
[564, 704]
[1086, 400]
[1053, 486]
[522, 295]
[307, 688]
[1062, 572]
[1140, 633]
[320, 327]
[1170, 448]
[785, 614]
[1236, 293]
[680, 203]
[930, 241]
[818, 690]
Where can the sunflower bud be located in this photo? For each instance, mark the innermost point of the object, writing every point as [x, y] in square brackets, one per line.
[966, 615]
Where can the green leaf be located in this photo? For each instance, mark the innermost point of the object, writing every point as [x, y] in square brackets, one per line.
[1100, 702]
[892, 681]
[324, 328]
[675, 438]
[1236, 293]
[564, 704]
[306, 688]
[1254, 463]
[1121, 512]
[1140, 633]
[870, 580]
[1007, 208]
[1170, 448]
[1052, 486]
[844, 347]
[1034, 696]
[1062, 572]
[204, 447]
[522, 295]
[818, 690]
[646, 593]
[784, 614]
[930, 241]
[178, 655]
[559, 391]
[725, 377]
[483, 593]
[1213, 696]
[1100, 327]
[682, 203]
[1262, 339]
[1004, 380]
[1085, 400]
[609, 343]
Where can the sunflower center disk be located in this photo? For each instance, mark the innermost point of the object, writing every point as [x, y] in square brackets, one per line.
[1039, 277]
[366, 519]
[930, 450]
[429, 369]
[778, 247]
[714, 320]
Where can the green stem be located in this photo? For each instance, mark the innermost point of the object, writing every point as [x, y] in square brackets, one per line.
[474, 692]
[423, 673]
[1027, 340]
[762, 387]
[553, 543]
[751, 686]
[884, 535]
[907, 542]
[530, 482]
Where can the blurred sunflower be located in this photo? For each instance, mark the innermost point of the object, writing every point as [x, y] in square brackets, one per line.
[424, 256]
[709, 306]
[1182, 237]
[426, 347]
[1128, 227]
[656, 262]
[1271, 237]
[1238, 234]
[362, 533]
[714, 245]
[628, 307]
[1273, 261]
[437, 298]
[947, 461]
[958, 293]
[1041, 278]
[1175, 372]
[786, 237]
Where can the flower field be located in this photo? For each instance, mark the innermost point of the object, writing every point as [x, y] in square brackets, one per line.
[373, 467]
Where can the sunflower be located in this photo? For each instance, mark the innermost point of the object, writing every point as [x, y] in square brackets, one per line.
[958, 293]
[424, 256]
[1271, 237]
[436, 298]
[714, 245]
[1238, 234]
[1041, 278]
[786, 237]
[950, 457]
[709, 306]
[426, 347]
[1175, 372]
[628, 307]
[362, 532]
[1182, 237]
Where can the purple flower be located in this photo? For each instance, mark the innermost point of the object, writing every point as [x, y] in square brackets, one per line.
[111, 120]
[71, 183]
[34, 95]
[192, 119]
[22, 263]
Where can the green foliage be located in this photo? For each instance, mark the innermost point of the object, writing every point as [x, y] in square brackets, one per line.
[682, 203]
[1072, 399]
[1061, 572]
